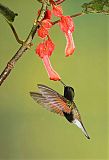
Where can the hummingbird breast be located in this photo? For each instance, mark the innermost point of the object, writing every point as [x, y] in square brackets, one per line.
[69, 116]
[74, 114]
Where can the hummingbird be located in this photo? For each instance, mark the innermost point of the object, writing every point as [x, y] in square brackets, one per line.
[62, 105]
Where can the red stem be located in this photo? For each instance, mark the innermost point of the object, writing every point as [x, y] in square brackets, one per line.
[59, 1]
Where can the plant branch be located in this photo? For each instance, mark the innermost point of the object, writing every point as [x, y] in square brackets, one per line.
[77, 14]
[15, 33]
[72, 16]
[26, 44]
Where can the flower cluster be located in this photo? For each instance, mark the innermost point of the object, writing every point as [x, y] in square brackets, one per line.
[46, 48]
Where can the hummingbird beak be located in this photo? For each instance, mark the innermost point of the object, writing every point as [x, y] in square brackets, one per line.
[80, 125]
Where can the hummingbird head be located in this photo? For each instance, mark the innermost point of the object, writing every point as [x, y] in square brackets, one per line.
[79, 124]
[69, 93]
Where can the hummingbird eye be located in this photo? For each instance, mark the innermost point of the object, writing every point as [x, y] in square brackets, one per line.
[69, 93]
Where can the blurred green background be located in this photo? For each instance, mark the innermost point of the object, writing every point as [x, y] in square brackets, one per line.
[29, 132]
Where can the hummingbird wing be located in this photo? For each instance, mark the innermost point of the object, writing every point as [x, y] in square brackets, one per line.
[51, 100]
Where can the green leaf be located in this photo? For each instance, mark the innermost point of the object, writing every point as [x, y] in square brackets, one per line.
[7, 13]
[96, 6]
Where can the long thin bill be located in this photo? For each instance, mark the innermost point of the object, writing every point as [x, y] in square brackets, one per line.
[81, 126]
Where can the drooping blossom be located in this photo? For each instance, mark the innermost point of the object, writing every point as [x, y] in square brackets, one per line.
[67, 26]
[44, 50]
[44, 28]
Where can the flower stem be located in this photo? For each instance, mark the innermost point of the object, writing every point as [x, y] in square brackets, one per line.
[72, 16]
[77, 14]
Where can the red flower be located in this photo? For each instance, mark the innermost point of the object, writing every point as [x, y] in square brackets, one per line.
[51, 73]
[44, 50]
[44, 28]
[42, 32]
[70, 46]
[48, 14]
[57, 10]
[67, 26]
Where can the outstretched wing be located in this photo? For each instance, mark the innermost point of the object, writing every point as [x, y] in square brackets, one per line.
[51, 100]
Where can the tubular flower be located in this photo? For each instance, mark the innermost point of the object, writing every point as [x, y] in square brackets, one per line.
[44, 28]
[67, 26]
[44, 50]
[53, 75]
[45, 25]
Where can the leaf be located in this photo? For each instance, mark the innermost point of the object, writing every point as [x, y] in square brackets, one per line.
[7, 13]
[96, 6]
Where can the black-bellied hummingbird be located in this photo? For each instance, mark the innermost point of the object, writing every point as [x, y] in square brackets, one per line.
[62, 105]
